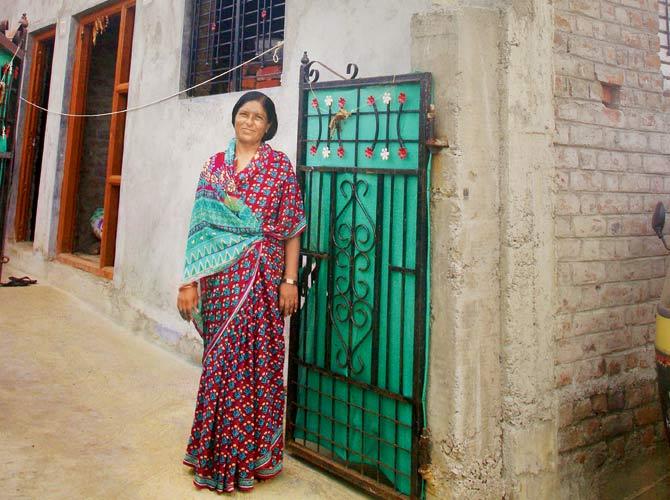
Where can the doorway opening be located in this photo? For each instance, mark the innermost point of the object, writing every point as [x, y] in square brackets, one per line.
[95, 142]
[33, 136]
[93, 157]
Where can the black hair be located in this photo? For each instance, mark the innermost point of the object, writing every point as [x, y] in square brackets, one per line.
[268, 106]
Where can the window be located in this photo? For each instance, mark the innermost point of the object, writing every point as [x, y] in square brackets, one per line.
[225, 33]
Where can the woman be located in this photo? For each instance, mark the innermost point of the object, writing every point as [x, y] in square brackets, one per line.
[242, 252]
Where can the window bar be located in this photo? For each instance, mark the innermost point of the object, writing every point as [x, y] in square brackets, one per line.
[267, 28]
[259, 21]
[667, 24]
[210, 19]
[194, 44]
[259, 42]
[237, 28]
[231, 44]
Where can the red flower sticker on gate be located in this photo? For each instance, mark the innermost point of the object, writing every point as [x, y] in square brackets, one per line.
[315, 103]
[340, 152]
[371, 100]
[402, 153]
[341, 102]
[312, 150]
[369, 152]
[402, 98]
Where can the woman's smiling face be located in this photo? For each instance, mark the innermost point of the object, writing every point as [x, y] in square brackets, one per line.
[251, 123]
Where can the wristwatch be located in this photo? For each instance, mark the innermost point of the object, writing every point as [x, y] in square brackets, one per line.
[290, 281]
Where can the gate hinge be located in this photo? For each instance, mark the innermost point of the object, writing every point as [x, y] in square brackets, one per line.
[424, 452]
[434, 144]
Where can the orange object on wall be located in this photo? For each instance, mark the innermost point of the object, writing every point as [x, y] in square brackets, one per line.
[270, 76]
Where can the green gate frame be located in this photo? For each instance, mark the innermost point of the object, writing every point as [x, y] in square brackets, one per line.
[356, 361]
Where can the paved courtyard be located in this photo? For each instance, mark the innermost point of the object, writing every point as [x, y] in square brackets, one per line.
[89, 410]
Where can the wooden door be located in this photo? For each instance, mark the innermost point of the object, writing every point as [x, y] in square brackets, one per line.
[66, 229]
[33, 131]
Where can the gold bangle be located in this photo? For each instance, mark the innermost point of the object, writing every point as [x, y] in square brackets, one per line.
[290, 281]
[188, 285]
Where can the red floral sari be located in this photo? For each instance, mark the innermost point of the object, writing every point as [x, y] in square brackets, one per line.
[237, 431]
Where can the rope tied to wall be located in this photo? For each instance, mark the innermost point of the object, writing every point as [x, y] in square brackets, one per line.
[275, 57]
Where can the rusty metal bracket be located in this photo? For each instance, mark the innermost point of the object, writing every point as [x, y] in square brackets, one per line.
[434, 144]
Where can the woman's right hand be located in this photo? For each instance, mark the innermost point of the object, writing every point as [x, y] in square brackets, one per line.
[187, 302]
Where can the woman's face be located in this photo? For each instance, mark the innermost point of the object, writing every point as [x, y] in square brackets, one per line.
[251, 123]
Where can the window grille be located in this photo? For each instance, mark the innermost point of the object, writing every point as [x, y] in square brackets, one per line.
[225, 33]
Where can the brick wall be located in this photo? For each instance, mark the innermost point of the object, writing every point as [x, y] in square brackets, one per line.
[611, 147]
[96, 135]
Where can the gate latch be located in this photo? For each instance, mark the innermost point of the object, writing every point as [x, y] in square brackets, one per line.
[434, 144]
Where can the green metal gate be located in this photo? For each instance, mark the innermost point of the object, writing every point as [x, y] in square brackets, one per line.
[358, 342]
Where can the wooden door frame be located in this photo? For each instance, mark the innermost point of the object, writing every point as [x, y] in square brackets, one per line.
[26, 170]
[74, 145]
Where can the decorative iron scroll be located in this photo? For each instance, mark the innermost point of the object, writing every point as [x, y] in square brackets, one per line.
[309, 75]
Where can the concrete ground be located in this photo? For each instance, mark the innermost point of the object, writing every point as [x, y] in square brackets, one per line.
[87, 410]
[642, 478]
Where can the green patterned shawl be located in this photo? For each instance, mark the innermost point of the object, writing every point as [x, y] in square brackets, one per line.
[222, 227]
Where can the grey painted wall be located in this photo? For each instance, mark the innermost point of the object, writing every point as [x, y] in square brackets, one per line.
[166, 144]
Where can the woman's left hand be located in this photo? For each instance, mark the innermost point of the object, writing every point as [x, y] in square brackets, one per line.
[288, 299]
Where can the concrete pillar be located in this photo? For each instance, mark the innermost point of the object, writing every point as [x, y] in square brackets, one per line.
[491, 404]
[530, 420]
[460, 48]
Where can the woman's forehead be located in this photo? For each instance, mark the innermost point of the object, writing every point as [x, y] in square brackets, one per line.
[253, 107]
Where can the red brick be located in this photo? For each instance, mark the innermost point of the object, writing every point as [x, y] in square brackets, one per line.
[570, 438]
[648, 414]
[618, 423]
[609, 74]
[589, 226]
[565, 416]
[590, 369]
[567, 204]
[649, 391]
[634, 39]
[581, 409]
[588, 272]
[596, 456]
[568, 249]
[636, 19]
[632, 361]
[599, 403]
[564, 378]
[616, 400]
[585, 7]
[613, 365]
[648, 436]
[563, 21]
[616, 447]
[635, 396]
[652, 62]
